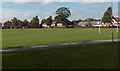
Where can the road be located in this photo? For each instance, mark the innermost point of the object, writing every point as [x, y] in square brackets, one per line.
[60, 45]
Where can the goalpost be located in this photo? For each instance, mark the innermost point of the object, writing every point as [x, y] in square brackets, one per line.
[99, 26]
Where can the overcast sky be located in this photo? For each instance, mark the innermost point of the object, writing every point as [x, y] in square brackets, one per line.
[79, 10]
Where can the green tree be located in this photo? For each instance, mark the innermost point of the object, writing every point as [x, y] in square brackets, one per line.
[62, 14]
[15, 22]
[0, 24]
[107, 16]
[25, 23]
[63, 11]
[35, 22]
[20, 23]
[42, 22]
[75, 21]
[89, 20]
[49, 21]
[58, 19]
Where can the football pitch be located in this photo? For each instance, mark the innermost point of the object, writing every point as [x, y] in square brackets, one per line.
[42, 36]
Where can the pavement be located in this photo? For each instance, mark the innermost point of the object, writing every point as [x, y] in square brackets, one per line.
[60, 45]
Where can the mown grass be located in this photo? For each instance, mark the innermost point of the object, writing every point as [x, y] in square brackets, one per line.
[31, 37]
[97, 56]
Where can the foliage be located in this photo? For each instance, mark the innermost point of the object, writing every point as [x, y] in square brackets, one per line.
[91, 19]
[0, 24]
[42, 22]
[66, 22]
[62, 14]
[49, 21]
[25, 23]
[15, 22]
[58, 19]
[107, 17]
[63, 11]
[75, 21]
[35, 21]
[20, 23]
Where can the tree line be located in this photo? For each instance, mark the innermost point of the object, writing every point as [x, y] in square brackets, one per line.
[62, 15]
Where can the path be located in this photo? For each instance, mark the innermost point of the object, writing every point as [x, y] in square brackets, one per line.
[8, 50]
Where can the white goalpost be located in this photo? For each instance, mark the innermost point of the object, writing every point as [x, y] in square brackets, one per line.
[99, 27]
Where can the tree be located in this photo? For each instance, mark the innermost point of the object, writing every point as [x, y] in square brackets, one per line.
[75, 21]
[35, 22]
[20, 23]
[63, 11]
[58, 19]
[42, 22]
[107, 16]
[89, 21]
[49, 21]
[66, 23]
[0, 24]
[15, 22]
[25, 23]
[62, 14]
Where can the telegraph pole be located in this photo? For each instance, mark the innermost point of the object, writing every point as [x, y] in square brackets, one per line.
[112, 23]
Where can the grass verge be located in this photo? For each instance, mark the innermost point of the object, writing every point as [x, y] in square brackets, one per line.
[97, 56]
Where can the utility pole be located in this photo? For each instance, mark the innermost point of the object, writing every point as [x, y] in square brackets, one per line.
[112, 24]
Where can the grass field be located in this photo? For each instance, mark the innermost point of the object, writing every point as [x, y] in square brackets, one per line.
[30, 37]
[97, 56]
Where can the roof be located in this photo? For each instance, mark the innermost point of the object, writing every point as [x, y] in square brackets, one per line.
[86, 23]
[116, 19]
[7, 22]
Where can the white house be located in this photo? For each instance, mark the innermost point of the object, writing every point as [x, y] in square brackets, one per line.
[45, 25]
[116, 21]
[92, 23]
[59, 25]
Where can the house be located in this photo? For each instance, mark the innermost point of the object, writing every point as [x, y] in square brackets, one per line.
[92, 23]
[53, 24]
[44, 25]
[58, 25]
[7, 25]
[116, 21]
